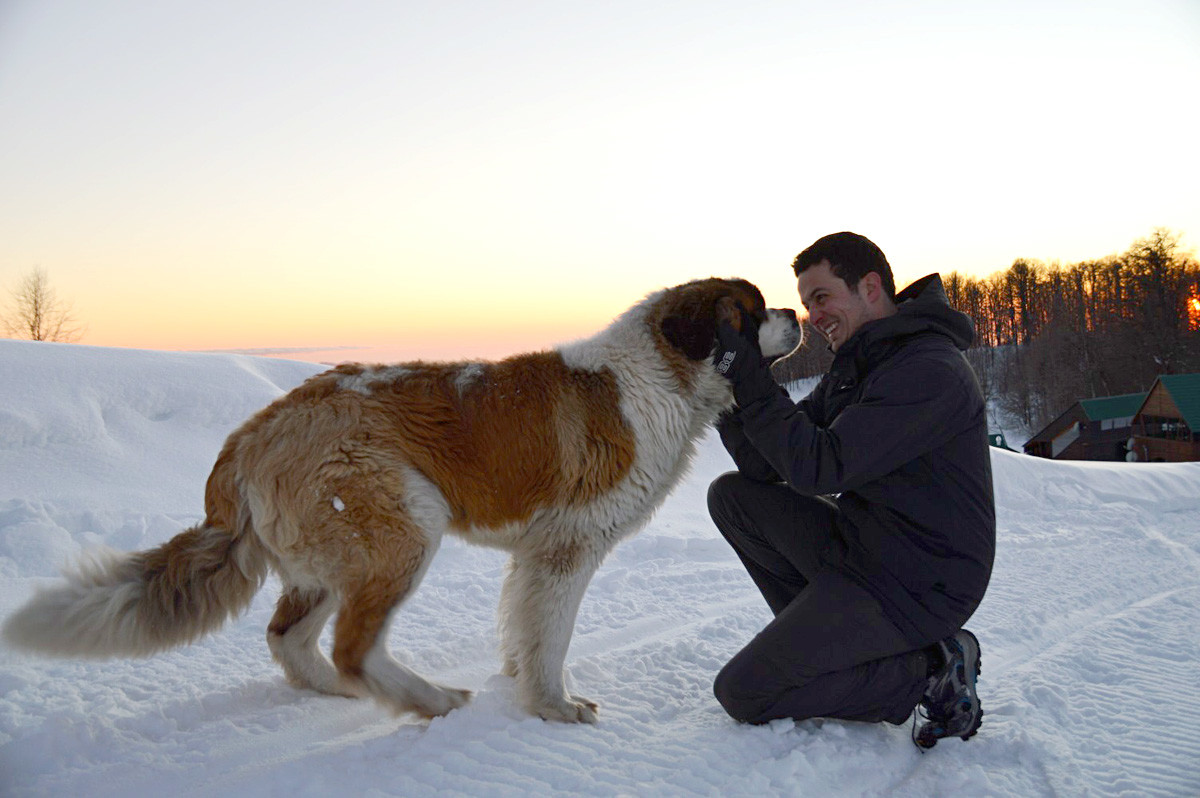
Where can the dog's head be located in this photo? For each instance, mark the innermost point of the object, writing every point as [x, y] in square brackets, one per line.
[692, 311]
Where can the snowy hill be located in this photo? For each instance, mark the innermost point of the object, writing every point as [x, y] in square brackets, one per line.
[1090, 633]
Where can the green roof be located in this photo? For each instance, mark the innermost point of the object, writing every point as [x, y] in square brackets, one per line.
[1105, 407]
[1185, 392]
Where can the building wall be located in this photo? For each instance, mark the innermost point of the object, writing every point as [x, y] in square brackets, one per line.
[1161, 450]
[1095, 443]
[1159, 403]
[1044, 444]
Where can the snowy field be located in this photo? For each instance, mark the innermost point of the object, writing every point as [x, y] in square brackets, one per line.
[1090, 634]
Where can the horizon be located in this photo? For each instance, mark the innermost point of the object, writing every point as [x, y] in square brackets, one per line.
[455, 182]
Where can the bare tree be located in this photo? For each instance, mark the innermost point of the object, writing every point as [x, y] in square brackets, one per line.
[37, 314]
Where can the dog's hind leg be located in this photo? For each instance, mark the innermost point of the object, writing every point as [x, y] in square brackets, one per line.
[370, 596]
[541, 597]
[361, 656]
[292, 637]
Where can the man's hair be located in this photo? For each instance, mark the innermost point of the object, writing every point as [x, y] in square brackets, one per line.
[850, 257]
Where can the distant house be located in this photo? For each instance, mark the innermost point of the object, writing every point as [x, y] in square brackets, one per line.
[1090, 429]
[1166, 427]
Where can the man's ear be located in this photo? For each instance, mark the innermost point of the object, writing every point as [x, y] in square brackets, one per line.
[693, 337]
[872, 286]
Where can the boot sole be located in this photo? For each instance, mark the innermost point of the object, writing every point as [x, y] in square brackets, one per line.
[971, 682]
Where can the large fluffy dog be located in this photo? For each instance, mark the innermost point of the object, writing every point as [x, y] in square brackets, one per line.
[346, 485]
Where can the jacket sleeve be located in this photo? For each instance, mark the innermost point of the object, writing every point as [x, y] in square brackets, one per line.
[745, 456]
[903, 412]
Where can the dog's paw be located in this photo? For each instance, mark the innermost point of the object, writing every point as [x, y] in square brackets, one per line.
[577, 710]
[333, 686]
[589, 705]
[440, 701]
[431, 702]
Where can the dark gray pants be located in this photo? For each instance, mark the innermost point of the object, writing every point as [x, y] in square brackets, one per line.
[830, 652]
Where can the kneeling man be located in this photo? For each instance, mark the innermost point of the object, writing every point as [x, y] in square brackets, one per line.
[864, 514]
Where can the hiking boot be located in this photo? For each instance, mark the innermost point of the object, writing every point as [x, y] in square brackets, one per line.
[951, 706]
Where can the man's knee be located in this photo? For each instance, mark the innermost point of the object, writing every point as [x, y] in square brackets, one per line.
[732, 694]
[724, 497]
[720, 490]
[749, 689]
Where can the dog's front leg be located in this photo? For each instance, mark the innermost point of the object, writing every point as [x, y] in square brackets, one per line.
[540, 600]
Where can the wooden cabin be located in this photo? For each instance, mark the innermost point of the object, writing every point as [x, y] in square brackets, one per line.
[1090, 429]
[1166, 427]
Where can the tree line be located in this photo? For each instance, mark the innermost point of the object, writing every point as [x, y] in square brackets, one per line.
[1048, 335]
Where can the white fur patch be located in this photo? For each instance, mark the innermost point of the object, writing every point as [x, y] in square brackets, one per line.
[468, 375]
[779, 335]
[368, 380]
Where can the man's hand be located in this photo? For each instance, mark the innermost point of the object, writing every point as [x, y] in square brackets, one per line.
[740, 360]
[737, 351]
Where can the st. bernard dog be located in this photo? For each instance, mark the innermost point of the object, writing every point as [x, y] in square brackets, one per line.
[346, 485]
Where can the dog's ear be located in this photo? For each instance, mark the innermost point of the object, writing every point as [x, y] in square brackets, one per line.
[729, 310]
[693, 337]
[695, 332]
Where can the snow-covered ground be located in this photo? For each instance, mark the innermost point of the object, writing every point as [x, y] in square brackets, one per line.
[1090, 633]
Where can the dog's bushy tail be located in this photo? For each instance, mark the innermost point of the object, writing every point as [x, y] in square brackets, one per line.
[130, 605]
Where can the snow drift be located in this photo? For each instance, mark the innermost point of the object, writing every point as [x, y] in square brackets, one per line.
[1090, 633]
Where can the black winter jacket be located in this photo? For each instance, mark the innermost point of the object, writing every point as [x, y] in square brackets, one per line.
[897, 432]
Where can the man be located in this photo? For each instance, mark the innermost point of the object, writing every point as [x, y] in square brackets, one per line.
[864, 514]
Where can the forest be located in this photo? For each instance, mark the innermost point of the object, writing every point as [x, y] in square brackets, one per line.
[1048, 335]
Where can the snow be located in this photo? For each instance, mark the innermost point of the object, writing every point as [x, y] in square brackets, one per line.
[1090, 633]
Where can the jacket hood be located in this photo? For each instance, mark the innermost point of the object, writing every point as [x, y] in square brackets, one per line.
[924, 306]
[920, 308]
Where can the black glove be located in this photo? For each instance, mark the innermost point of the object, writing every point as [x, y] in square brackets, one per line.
[741, 362]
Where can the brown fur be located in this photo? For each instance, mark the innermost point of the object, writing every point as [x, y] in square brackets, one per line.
[294, 605]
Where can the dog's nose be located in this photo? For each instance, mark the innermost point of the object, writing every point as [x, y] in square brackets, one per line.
[791, 314]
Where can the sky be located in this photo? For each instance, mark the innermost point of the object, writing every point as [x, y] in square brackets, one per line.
[472, 179]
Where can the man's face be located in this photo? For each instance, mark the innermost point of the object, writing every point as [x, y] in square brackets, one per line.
[834, 309]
